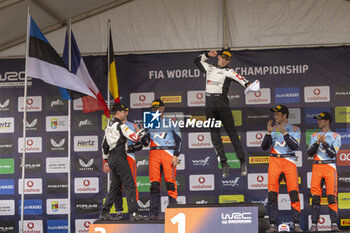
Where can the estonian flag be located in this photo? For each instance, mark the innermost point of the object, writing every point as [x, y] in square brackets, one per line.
[78, 68]
[44, 63]
[113, 81]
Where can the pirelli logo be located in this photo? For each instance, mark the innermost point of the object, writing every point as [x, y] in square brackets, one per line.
[324, 201]
[259, 159]
[299, 181]
[225, 139]
[172, 99]
[199, 118]
[345, 222]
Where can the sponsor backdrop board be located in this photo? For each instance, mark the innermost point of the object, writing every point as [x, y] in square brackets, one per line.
[308, 80]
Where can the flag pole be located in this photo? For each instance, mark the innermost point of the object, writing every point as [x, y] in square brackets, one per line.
[69, 31]
[25, 119]
[108, 70]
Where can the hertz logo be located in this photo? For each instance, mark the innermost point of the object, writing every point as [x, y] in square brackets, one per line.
[259, 159]
[171, 99]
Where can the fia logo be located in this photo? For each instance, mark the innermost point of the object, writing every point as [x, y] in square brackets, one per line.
[151, 120]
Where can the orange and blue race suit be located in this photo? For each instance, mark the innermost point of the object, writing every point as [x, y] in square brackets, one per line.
[165, 142]
[282, 160]
[324, 167]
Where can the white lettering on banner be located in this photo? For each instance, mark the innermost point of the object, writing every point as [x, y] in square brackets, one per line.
[170, 74]
[272, 70]
[13, 79]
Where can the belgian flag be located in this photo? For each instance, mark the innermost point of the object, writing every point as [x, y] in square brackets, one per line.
[113, 81]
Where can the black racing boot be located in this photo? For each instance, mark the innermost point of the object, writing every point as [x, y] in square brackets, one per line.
[225, 169]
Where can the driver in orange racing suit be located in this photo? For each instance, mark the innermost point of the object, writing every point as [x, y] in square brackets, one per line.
[283, 139]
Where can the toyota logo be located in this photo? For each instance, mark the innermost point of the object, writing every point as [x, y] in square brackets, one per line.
[142, 97]
[86, 224]
[201, 179]
[257, 94]
[260, 179]
[344, 157]
[30, 183]
[30, 225]
[30, 101]
[200, 137]
[321, 220]
[199, 95]
[259, 136]
[86, 182]
[30, 142]
[317, 91]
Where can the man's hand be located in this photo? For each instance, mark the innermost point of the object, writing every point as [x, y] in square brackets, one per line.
[321, 139]
[174, 161]
[270, 128]
[282, 129]
[212, 53]
[105, 167]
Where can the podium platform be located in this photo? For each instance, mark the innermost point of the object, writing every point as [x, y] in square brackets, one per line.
[208, 218]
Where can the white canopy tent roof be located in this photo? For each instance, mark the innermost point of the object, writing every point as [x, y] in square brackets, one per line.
[172, 25]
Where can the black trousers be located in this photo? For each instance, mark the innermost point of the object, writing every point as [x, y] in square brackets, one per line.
[120, 176]
[218, 107]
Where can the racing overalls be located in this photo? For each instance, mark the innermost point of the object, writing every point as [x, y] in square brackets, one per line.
[165, 142]
[282, 160]
[324, 167]
[132, 147]
[217, 106]
[114, 150]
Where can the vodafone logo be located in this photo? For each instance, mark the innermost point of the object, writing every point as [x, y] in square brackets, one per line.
[199, 95]
[321, 220]
[86, 183]
[200, 137]
[257, 94]
[86, 224]
[204, 182]
[30, 183]
[260, 178]
[344, 157]
[259, 136]
[142, 98]
[30, 225]
[30, 142]
[201, 179]
[30, 101]
[317, 91]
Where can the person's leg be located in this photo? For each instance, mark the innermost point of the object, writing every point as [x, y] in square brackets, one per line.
[316, 192]
[133, 167]
[169, 177]
[155, 179]
[274, 172]
[291, 173]
[331, 178]
[113, 194]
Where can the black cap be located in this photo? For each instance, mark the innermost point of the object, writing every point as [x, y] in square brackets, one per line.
[157, 102]
[324, 116]
[281, 108]
[226, 53]
[118, 107]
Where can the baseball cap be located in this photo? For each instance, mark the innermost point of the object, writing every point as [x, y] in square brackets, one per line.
[157, 102]
[118, 107]
[280, 108]
[226, 53]
[324, 116]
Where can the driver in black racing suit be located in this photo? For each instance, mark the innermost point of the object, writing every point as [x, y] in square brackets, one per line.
[217, 106]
